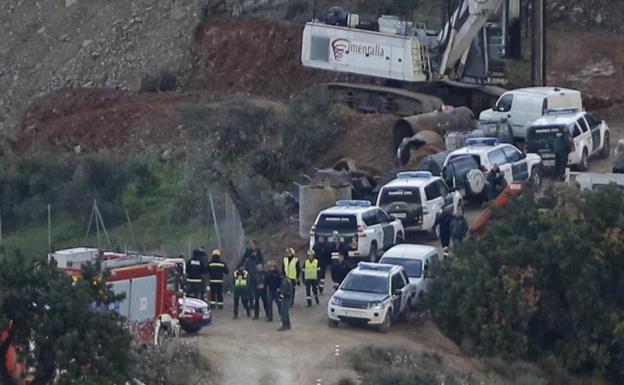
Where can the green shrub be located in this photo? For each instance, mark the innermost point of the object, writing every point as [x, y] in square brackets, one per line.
[532, 286]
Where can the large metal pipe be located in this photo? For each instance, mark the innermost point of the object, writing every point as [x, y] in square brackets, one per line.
[441, 122]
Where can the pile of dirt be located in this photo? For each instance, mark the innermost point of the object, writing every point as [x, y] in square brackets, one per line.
[102, 118]
[590, 62]
[251, 55]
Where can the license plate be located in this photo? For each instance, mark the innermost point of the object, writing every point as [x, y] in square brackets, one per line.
[353, 314]
[206, 316]
[548, 163]
[400, 215]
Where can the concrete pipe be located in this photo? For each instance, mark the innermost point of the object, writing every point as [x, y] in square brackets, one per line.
[442, 122]
[422, 138]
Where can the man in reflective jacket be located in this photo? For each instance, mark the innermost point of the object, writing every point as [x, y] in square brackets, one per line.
[311, 271]
[292, 270]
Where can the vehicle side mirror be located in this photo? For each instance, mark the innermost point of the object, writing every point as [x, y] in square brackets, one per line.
[522, 155]
[397, 292]
[335, 286]
[392, 217]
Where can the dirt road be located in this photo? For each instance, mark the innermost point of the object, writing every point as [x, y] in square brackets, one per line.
[253, 352]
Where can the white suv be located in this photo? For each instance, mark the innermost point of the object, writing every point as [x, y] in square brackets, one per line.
[372, 293]
[591, 136]
[466, 168]
[416, 260]
[417, 197]
[366, 229]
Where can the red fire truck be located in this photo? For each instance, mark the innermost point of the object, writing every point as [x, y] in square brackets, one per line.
[155, 304]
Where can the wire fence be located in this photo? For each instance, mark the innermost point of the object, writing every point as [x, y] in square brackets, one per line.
[32, 229]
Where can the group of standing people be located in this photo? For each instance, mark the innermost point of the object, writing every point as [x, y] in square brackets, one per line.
[451, 227]
[257, 280]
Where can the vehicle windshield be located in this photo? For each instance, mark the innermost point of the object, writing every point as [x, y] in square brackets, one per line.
[329, 223]
[392, 195]
[365, 283]
[412, 266]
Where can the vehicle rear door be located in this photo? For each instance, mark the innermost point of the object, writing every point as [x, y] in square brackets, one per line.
[387, 228]
[585, 138]
[434, 203]
[446, 194]
[594, 127]
[519, 167]
[397, 285]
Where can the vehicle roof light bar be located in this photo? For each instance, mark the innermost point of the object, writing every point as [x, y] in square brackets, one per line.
[414, 174]
[375, 266]
[481, 141]
[561, 111]
[353, 203]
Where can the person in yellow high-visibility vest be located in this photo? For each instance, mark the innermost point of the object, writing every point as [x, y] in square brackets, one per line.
[292, 270]
[241, 287]
[311, 270]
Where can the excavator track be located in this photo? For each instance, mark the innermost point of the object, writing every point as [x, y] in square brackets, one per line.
[380, 99]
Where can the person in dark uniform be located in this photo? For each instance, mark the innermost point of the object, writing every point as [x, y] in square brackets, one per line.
[496, 182]
[443, 222]
[340, 269]
[286, 292]
[260, 292]
[252, 258]
[217, 270]
[273, 280]
[459, 228]
[323, 251]
[196, 267]
[562, 145]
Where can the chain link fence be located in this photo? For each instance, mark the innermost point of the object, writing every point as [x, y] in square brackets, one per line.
[32, 229]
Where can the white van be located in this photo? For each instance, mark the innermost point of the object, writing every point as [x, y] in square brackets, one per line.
[522, 106]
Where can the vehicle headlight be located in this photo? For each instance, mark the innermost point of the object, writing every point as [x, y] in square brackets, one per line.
[375, 305]
[189, 310]
[336, 301]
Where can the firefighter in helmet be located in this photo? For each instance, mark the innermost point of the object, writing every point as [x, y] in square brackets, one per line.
[311, 270]
[217, 270]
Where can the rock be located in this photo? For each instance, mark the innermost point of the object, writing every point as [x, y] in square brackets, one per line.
[77, 149]
[69, 3]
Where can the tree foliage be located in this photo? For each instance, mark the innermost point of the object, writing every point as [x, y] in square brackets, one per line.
[542, 280]
[62, 330]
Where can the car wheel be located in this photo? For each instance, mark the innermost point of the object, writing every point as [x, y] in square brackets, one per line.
[584, 164]
[536, 177]
[372, 254]
[399, 239]
[385, 326]
[606, 148]
[332, 323]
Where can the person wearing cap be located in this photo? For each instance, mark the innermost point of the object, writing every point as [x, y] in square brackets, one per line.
[217, 270]
[241, 290]
[286, 296]
[443, 223]
[323, 251]
[196, 268]
[459, 228]
[292, 270]
[311, 271]
[340, 269]
[252, 258]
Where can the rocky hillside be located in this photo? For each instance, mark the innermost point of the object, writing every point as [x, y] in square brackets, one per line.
[47, 45]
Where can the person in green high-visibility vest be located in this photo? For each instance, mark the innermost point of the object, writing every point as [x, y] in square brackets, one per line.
[311, 270]
[292, 270]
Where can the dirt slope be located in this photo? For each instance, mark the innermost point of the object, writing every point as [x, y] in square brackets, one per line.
[252, 55]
